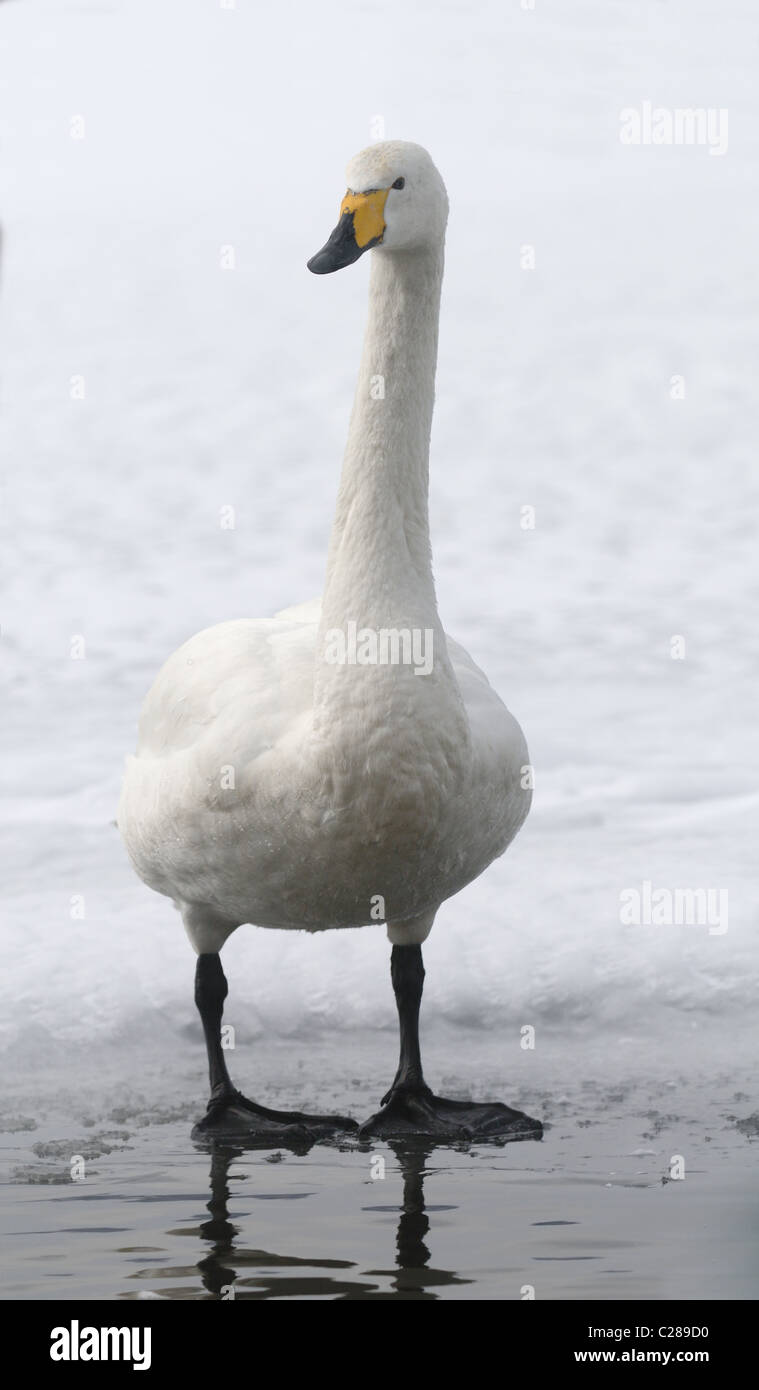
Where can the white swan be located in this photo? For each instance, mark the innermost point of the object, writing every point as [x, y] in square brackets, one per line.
[343, 761]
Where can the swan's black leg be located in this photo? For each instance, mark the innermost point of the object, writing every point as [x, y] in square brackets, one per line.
[210, 992]
[407, 975]
[231, 1113]
[410, 1107]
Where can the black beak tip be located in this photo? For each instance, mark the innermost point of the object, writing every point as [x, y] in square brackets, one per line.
[340, 250]
[321, 264]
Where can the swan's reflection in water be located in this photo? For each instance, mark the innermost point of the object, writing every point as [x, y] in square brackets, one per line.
[413, 1277]
[230, 1270]
[226, 1270]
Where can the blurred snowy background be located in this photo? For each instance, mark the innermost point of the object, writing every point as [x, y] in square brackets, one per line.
[207, 127]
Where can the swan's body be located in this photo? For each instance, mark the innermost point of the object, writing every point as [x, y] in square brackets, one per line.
[409, 805]
[278, 785]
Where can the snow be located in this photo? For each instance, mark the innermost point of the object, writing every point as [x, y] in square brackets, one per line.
[205, 388]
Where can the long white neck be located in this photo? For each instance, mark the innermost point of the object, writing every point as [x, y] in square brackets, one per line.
[381, 522]
[379, 569]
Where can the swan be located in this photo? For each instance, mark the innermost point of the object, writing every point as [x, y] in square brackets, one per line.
[344, 762]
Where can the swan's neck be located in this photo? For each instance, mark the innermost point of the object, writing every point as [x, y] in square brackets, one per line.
[380, 546]
[379, 570]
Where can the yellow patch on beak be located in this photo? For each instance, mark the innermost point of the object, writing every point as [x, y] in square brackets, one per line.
[368, 214]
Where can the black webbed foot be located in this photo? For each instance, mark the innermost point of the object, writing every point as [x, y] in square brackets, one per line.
[231, 1115]
[414, 1110]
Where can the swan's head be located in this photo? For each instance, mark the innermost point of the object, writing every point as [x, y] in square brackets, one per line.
[396, 201]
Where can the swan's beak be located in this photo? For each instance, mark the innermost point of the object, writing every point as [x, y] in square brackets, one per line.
[361, 225]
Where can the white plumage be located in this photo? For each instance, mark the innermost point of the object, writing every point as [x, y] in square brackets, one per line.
[242, 811]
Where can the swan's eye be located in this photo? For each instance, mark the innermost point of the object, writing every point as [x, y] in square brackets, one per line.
[399, 183]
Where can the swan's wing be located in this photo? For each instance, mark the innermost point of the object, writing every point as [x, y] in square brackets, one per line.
[262, 666]
[495, 732]
[474, 685]
[462, 661]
